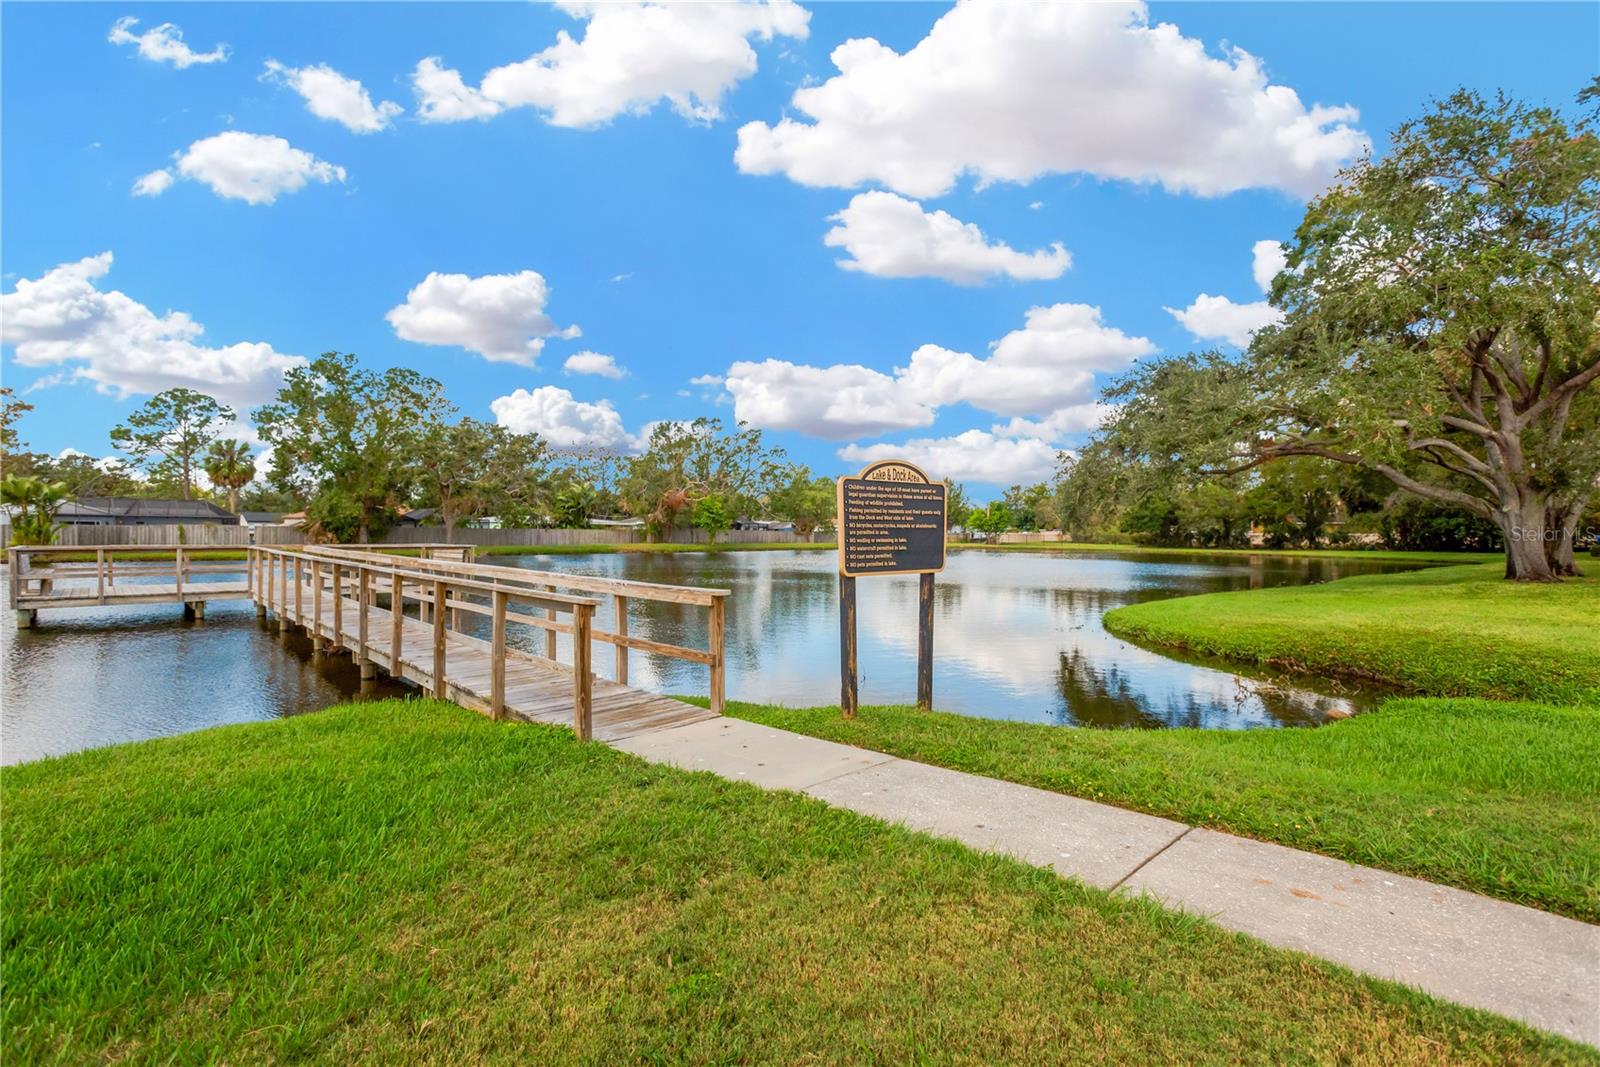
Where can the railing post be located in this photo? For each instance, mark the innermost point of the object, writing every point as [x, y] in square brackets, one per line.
[266, 579]
[621, 603]
[338, 609]
[100, 573]
[316, 605]
[582, 677]
[363, 583]
[111, 570]
[178, 572]
[719, 677]
[397, 622]
[550, 634]
[439, 689]
[299, 583]
[497, 656]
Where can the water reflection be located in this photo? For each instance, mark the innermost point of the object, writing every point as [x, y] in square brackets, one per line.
[98, 677]
[1018, 637]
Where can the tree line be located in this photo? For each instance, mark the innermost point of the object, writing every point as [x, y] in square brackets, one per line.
[355, 448]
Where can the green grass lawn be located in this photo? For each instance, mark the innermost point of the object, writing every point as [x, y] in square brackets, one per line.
[1449, 631]
[1496, 798]
[407, 882]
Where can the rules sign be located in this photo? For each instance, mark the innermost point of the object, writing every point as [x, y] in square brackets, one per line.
[891, 521]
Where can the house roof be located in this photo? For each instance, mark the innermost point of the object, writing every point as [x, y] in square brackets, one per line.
[140, 509]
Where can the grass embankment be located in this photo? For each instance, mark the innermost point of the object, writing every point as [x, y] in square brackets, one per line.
[1454, 631]
[1496, 798]
[408, 881]
[1377, 555]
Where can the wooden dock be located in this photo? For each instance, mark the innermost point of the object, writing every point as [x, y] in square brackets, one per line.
[412, 618]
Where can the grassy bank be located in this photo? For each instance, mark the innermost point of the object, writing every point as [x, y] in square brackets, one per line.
[1455, 631]
[407, 881]
[1495, 798]
[1379, 555]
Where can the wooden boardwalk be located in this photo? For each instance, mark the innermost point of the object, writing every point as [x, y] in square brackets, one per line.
[536, 689]
[405, 616]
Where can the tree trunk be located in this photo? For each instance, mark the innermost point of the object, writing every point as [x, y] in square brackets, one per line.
[233, 499]
[449, 526]
[1527, 559]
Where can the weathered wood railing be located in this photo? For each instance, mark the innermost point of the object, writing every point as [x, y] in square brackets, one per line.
[36, 569]
[621, 592]
[294, 583]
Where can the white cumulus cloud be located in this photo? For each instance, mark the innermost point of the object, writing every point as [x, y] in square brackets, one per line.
[631, 57]
[1062, 422]
[254, 167]
[593, 363]
[124, 348]
[892, 237]
[1217, 318]
[153, 184]
[330, 95]
[843, 400]
[1267, 262]
[1047, 365]
[499, 316]
[554, 414]
[1014, 91]
[163, 44]
[973, 456]
[443, 97]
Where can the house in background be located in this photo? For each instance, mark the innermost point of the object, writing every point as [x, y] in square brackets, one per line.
[136, 511]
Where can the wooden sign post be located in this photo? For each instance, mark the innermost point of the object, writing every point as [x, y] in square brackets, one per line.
[891, 520]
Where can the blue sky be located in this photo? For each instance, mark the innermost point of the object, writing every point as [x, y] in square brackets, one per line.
[1138, 139]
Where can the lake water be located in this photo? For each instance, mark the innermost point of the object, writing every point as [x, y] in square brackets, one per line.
[1017, 636]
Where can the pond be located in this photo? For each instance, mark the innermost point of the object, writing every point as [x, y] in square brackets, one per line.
[1017, 636]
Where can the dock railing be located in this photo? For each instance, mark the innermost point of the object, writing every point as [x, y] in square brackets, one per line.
[296, 583]
[621, 592]
[36, 569]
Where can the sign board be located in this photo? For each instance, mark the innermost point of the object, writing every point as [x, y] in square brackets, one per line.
[891, 521]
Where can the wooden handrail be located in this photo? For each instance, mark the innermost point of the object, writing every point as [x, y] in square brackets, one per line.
[468, 576]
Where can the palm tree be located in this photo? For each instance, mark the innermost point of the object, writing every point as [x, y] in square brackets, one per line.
[230, 466]
[36, 502]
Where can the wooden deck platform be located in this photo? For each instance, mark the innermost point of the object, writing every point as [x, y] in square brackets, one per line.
[536, 689]
[346, 600]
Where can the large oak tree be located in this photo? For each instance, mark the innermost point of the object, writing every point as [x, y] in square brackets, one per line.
[1440, 328]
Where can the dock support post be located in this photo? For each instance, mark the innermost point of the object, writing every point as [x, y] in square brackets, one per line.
[316, 604]
[582, 672]
[194, 609]
[715, 639]
[439, 685]
[397, 622]
[27, 618]
[497, 655]
[363, 588]
[621, 630]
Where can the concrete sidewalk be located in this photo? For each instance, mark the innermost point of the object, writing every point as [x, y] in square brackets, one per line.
[1527, 964]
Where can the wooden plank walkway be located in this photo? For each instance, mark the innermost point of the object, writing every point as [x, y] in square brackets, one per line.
[336, 595]
[537, 689]
[69, 592]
